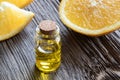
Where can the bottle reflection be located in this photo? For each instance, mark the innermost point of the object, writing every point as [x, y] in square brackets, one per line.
[39, 75]
[46, 76]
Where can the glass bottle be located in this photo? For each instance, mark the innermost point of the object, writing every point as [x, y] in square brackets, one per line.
[48, 46]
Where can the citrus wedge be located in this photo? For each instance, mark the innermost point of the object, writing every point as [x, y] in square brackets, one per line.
[91, 17]
[19, 3]
[12, 20]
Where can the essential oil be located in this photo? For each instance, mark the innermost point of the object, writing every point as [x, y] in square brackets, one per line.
[48, 46]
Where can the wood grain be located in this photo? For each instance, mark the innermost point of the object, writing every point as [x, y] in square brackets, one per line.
[83, 58]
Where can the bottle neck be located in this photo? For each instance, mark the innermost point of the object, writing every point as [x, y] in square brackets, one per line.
[48, 36]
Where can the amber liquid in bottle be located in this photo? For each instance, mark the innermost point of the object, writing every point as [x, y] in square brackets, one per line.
[48, 51]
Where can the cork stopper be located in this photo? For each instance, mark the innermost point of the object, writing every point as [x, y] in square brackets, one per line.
[47, 27]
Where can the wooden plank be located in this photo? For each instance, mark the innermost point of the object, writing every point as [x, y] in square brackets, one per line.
[83, 58]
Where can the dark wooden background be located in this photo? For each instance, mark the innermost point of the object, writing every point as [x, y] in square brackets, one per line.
[83, 58]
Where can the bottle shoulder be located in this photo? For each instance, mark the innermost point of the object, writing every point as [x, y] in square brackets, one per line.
[48, 46]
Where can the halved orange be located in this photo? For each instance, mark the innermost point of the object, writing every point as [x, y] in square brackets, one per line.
[91, 17]
[19, 3]
[12, 20]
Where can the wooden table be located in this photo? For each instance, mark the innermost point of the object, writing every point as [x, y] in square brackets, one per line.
[83, 58]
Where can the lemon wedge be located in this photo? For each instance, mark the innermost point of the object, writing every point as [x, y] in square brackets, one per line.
[19, 3]
[12, 20]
